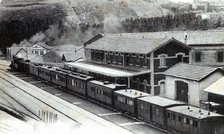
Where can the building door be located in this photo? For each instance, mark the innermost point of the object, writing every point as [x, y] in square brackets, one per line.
[182, 91]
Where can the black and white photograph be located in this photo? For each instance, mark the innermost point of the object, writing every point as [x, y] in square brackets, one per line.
[111, 66]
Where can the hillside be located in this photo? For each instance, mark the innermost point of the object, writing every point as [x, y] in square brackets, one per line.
[72, 20]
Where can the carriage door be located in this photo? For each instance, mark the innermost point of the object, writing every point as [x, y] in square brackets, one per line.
[182, 91]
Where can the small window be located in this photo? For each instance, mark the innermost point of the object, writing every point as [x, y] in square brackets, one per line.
[180, 57]
[120, 99]
[142, 106]
[162, 61]
[168, 115]
[197, 56]
[36, 52]
[220, 56]
[195, 123]
[73, 83]
[130, 102]
[56, 77]
[174, 117]
[179, 119]
[41, 52]
[157, 111]
[187, 121]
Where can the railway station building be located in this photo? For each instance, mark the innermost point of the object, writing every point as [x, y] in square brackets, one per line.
[137, 61]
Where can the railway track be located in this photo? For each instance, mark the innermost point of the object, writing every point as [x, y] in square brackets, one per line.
[12, 80]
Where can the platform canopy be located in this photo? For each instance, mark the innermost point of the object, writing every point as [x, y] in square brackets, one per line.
[106, 70]
[217, 87]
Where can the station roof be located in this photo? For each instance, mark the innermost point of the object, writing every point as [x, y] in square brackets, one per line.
[190, 72]
[160, 101]
[127, 45]
[193, 112]
[131, 93]
[103, 69]
[217, 87]
[109, 85]
[193, 37]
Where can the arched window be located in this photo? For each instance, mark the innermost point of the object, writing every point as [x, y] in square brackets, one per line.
[162, 60]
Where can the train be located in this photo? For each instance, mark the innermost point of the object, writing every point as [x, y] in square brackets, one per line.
[170, 115]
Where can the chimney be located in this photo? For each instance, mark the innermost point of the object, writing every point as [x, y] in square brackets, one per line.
[185, 38]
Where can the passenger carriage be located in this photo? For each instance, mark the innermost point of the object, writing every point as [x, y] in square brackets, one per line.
[152, 109]
[103, 91]
[59, 77]
[34, 69]
[126, 100]
[192, 120]
[77, 82]
[45, 73]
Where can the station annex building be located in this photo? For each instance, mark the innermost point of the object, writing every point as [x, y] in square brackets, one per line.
[137, 61]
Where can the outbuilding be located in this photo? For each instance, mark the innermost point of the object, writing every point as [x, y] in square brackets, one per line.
[186, 82]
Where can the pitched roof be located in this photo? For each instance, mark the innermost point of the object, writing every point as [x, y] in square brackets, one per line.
[194, 37]
[43, 45]
[104, 69]
[189, 71]
[128, 44]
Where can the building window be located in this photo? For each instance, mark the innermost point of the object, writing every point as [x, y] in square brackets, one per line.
[197, 56]
[41, 52]
[220, 56]
[162, 61]
[56, 77]
[36, 52]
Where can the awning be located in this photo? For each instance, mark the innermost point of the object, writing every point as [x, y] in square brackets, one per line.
[216, 88]
[107, 70]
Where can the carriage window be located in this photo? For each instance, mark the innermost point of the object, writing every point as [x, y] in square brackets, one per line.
[157, 111]
[121, 99]
[93, 89]
[168, 115]
[195, 123]
[179, 118]
[174, 117]
[73, 82]
[142, 106]
[130, 102]
[187, 121]
[56, 77]
[191, 122]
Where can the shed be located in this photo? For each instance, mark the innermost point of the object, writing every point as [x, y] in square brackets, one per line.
[186, 82]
